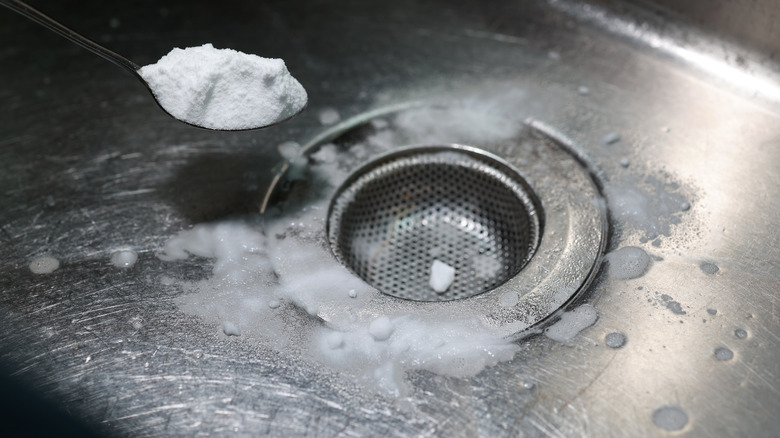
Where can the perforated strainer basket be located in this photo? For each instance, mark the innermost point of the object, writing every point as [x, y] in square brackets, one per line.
[395, 216]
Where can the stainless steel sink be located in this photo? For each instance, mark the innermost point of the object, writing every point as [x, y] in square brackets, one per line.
[90, 165]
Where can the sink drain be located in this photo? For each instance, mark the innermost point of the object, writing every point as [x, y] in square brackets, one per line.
[468, 209]
[521, 219]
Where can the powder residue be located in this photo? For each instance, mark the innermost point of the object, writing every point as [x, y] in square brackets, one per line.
[257, 284]
[651, 206]
[442, 276]
[223, 88]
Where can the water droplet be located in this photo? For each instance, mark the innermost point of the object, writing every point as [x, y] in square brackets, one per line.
[230, 329]
[615, 340]
[44, 265]
[625, 161]
[740, 333]
[124, 259]
[670, 418]
[329, 116]
[709, 268]
[583, 90]
[712, 311]
[723, 353]
[274, 304]
[529, 385]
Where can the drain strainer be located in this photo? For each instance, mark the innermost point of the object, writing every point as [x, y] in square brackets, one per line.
[520, 218]
[397, 215]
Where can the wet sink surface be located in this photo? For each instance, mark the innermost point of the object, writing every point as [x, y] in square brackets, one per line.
[90, 165]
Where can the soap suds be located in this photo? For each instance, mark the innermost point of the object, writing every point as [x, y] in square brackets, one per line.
[44, 265]
[628, 262]
[572, 322]
[381, 328]
[442, 276]
[223, 88]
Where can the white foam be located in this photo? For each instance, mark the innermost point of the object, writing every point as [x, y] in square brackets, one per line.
[230, 329]
[381, 328]
[628, 262]
[453, 348]
[572, 322]
[291, 266]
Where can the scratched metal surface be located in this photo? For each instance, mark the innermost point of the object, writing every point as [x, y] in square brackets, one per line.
[89, 164]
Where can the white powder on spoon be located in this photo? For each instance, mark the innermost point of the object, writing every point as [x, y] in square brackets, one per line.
[223, 88]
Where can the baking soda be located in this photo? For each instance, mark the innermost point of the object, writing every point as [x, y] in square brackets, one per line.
[223, 88]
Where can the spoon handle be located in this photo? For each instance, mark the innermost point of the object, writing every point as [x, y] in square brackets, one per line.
[47, 22]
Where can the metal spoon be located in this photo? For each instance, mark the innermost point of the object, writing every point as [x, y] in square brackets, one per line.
[47, 22]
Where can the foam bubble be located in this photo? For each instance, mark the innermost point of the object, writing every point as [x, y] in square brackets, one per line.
[615, 340]
[572, 322]
[44, 265]
[230, 329]
[628, 262]
[723, 353]
[124, 258]
[381, 328]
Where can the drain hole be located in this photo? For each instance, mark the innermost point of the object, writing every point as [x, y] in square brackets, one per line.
[395, 216]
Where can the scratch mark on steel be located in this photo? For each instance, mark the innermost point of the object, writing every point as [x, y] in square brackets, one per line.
[592, 381]
[150, 411]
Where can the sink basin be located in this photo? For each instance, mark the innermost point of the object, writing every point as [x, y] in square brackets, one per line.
[674, 108]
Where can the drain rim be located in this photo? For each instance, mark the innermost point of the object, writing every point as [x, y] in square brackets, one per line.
[523, 193]
[562, 268]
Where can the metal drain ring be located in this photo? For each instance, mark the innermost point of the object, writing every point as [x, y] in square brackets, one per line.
[572, 240]
[463, 207]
